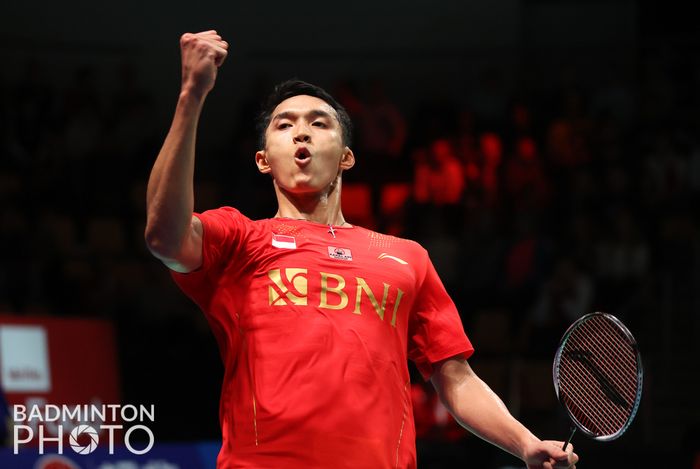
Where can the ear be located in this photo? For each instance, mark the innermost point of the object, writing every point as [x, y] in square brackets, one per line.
[347, 161]
[261, 162]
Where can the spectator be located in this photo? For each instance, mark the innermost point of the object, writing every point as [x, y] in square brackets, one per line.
[566, 295]
[438, 180]
[526, 185]
[568, 135]
[491, 150]
[381, 137]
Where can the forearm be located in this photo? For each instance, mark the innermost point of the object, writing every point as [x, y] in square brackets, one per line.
[170, 192]
[477, 408]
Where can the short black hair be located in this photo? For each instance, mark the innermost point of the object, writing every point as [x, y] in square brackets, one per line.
[294, 87]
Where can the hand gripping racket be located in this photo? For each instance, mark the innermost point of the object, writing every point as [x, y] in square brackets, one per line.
[597, 376]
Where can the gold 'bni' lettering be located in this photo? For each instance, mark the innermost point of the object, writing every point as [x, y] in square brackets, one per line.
[338, 290]
[290, 286]
[363, 287]
[396, 306]
[296, 278]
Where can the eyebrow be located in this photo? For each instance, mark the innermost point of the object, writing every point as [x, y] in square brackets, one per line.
[313, 114]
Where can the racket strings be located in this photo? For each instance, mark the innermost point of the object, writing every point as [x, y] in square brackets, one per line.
[594, 382]
[594, 378]
[621, 359]
[598, 376]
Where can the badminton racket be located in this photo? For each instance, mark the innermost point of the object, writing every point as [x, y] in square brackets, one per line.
[598, 375]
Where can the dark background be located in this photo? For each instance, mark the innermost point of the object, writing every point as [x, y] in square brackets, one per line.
[601, 216]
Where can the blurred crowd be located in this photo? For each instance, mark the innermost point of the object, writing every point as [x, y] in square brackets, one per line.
[538, 204]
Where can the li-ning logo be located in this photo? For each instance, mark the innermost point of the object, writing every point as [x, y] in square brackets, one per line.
[394, 258]
[290, 286]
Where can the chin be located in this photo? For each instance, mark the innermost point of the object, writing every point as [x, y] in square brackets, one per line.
[305, 187]
[295, 187]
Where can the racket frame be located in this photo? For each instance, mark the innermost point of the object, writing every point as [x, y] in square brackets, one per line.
[640, 375]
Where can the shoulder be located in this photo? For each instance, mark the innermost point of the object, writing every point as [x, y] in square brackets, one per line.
[222, 214]
[227, 226]
[230, 217]
[390, 243]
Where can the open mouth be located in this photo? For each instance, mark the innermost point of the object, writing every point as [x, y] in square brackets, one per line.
[302, 156]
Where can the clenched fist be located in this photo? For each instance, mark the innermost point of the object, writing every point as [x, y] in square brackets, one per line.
[202, 54]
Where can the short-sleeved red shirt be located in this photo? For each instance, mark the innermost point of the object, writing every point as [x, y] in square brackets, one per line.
[315, 327]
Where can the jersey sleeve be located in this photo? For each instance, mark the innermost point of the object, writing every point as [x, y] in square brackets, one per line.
[223, 235]
[435, 328]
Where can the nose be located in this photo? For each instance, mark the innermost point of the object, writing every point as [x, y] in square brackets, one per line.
[302, 135]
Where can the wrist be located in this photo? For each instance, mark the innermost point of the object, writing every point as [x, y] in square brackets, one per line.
[191, 95]
[526, 445]
[191, 99]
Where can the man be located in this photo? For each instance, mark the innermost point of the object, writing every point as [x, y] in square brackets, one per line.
[315, 317]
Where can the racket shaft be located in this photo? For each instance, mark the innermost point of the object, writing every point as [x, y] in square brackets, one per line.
[573, 430]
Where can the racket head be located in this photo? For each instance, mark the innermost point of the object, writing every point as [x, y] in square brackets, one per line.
[598, 375]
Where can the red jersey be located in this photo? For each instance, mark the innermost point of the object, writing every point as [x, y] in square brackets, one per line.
[315, 326]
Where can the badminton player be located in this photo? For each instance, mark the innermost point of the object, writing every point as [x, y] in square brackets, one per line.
[315, 317]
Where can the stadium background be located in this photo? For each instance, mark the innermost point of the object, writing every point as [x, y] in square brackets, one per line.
[563, 136]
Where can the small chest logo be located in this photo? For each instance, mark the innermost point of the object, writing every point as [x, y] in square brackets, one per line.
[284, 242]
[343, 254]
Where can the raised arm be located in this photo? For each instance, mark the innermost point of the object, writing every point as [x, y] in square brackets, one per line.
[173, 234]
[477, 408]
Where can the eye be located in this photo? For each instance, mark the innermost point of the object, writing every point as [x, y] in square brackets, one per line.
[319, 124]
[284, 125]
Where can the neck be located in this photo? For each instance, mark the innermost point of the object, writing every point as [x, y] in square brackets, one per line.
[323, 207]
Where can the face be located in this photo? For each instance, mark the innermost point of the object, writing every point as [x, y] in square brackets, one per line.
[304, 148]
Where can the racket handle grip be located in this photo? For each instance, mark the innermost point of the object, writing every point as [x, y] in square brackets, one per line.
[573, 430]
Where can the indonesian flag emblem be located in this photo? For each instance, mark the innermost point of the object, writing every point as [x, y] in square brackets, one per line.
[284, 242]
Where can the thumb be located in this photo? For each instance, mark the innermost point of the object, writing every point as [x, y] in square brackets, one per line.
[553, 450]
[558, 454]
[558, 445]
